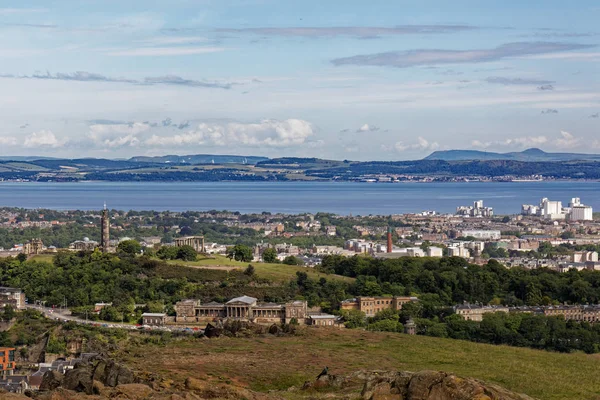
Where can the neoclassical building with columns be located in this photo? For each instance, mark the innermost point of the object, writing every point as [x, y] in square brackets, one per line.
[244, 308]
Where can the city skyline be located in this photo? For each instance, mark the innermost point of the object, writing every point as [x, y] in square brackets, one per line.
[341, 80]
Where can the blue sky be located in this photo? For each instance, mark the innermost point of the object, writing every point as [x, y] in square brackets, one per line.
[377, 80]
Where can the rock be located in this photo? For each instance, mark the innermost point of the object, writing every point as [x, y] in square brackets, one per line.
[51, 380]
[79, 379]
[211, 331]
[112, 374]
[194, 384]
[132, 391]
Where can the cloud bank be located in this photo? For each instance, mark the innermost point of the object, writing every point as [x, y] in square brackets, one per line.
[417, 57]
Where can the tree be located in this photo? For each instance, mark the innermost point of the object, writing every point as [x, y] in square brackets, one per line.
[186, 253]
[130, 247]
[167, 253]
[22, 257]
[270, 255]
[292, 260]
[240, 252]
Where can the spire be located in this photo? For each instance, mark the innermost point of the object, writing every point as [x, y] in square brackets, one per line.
[105, 205]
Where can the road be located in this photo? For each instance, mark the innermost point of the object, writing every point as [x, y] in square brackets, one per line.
[66, 316]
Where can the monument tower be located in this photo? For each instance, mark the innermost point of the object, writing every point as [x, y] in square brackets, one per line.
[104, 230]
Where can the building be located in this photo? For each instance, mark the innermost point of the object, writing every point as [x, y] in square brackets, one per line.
[322, 320]
[243, 308]
[13, 297]
[153, 318]
[84, 245]
[105, 230]
[584, 256]
[579, 212]
[482, 234]
[476, 210]
[579, 313]
[197, 242]
[474, 312]
[7, 360]
[372, 305]
[34, 246]
[458, 251]
[99, 306]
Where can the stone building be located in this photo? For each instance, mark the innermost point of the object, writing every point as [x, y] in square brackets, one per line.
[34, 246]
[474, 312]
[153, 318]
[84, 245]
[372, 305]
[197, 242]
[243, 308]
[579, 313]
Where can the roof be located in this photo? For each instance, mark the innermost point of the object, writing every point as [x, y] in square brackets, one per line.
[153, 315]
[322, 316]
[242, 299]
[212, 304]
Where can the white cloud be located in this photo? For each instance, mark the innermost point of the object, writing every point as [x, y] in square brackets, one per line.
[42, 138]
[117, 135]
[163, 51]
[367, 128]
[270, 133]
[520, 142]
[8, 141]
[421, 145]
[567, 140]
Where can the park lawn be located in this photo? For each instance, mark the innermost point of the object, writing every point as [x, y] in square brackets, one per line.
[276, 363]
[274, 272]
[42, 258]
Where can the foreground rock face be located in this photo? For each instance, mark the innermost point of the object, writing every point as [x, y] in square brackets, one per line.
[84, 375]
[423, 385]
[100, 378]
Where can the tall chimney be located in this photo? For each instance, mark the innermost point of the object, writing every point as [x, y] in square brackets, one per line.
[389, 240]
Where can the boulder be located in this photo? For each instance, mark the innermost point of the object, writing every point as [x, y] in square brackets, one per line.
[132, 391]
[51, 380]
[79, 379]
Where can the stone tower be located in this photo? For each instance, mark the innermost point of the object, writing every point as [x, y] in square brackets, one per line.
[104, 230]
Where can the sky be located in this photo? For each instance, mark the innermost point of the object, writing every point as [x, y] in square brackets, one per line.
[336, 79]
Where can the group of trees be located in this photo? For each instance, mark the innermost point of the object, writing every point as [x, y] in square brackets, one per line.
[452, 280]
[517, 329]
[184, 253]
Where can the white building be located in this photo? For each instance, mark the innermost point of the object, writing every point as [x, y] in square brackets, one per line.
[584, 256]
[476, 210]
[483, 234]
[458, 252]
[579, 212]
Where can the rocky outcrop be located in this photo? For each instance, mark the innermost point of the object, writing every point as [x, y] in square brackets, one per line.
[423, 385]
[87, 373]
[51, 380]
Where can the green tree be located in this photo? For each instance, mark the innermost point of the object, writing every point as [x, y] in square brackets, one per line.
[240, 252]
[269, 255]
[130, 247]
[186, 253]
[167, 253]
[292, 260]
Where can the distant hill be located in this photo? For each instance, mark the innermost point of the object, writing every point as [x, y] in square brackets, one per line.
[25, 158]
[200, 159]
[528, 155]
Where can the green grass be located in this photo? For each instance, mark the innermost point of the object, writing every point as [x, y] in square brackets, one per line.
[275, 363]
[42, 258]
[274, 272]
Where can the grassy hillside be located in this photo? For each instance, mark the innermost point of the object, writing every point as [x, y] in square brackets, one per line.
[274, 272]
[270, 362]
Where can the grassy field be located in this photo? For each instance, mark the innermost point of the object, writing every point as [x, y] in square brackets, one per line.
[274, 272]
[266, 363]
